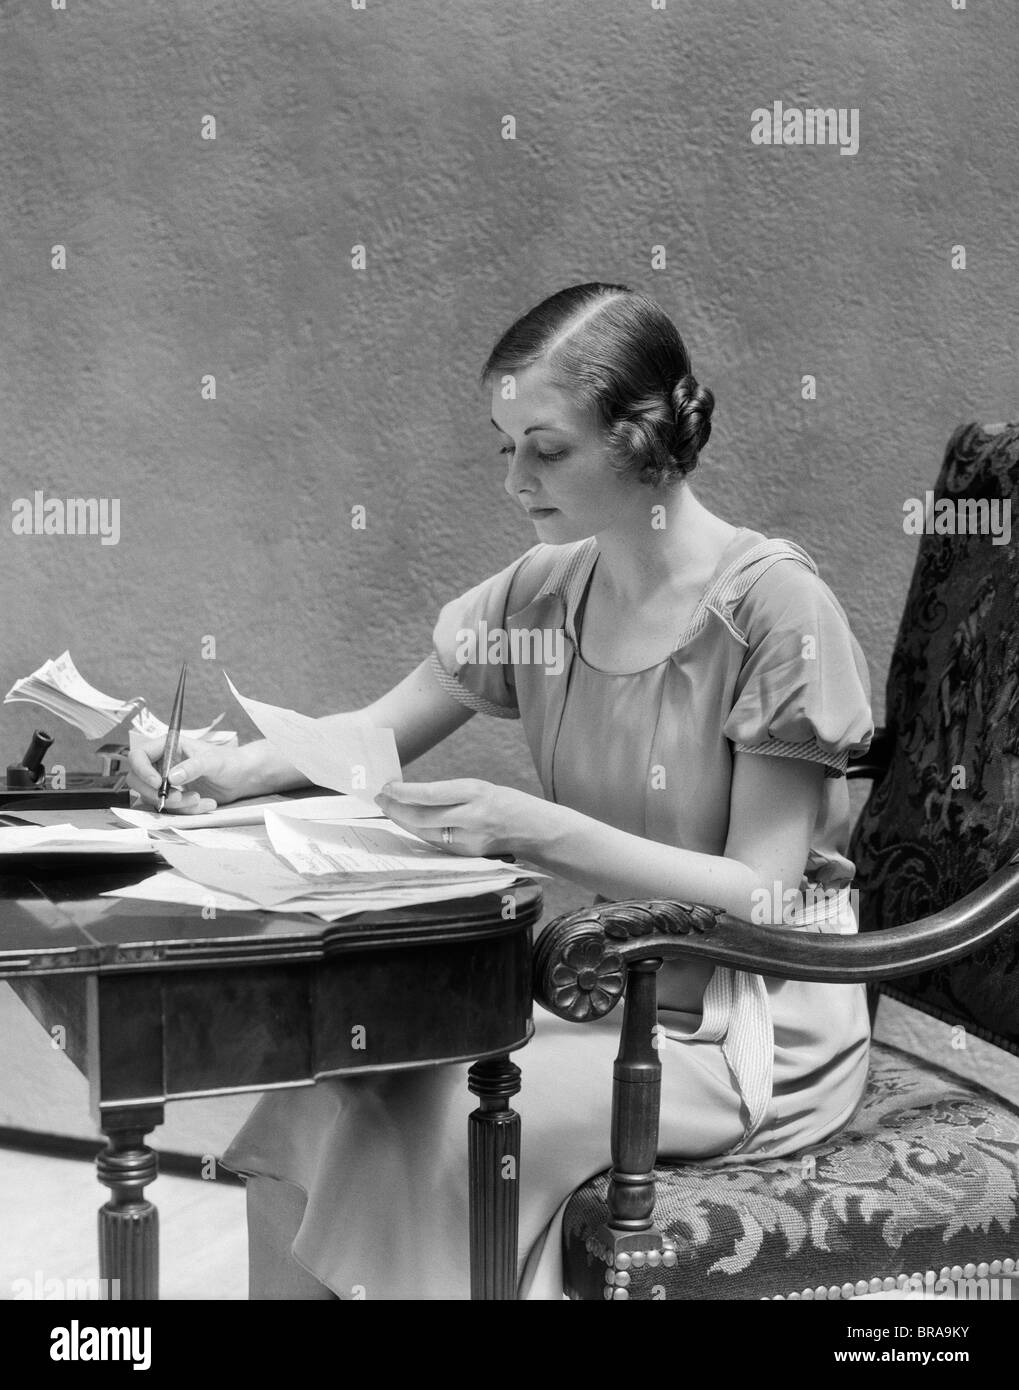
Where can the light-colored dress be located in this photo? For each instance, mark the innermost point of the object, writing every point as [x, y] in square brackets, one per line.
[751, 1065]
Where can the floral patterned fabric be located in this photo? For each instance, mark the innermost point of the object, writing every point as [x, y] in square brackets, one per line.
[925, 1177]
[946, 814]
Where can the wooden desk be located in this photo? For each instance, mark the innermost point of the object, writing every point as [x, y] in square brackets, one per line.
[158, 1003]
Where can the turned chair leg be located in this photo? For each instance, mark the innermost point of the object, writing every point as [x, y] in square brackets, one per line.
[629, 1238]
[494, 1158]
[128, 1223]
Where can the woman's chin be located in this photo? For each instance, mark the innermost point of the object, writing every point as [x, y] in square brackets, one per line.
[550, 522]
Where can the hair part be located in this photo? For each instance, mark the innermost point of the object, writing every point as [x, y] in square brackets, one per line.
[615, 348]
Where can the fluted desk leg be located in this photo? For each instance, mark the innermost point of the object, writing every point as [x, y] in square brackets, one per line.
[128, 1223]
[494, 1151]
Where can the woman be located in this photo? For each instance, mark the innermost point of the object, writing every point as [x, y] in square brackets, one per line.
[690, 693]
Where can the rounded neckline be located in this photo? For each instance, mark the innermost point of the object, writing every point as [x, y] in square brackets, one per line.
[687, 633]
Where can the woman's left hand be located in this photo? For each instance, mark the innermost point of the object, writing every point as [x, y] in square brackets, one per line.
[485, 819]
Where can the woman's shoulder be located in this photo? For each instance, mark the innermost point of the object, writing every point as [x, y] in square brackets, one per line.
[545, 570]
[780, 582]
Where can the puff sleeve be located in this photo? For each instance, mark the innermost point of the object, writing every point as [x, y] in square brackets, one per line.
[469, 659]
[803, 690]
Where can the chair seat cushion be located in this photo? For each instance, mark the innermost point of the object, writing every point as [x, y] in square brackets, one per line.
[921, 1187]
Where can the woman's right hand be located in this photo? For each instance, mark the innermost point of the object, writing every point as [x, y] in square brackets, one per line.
[204, 777]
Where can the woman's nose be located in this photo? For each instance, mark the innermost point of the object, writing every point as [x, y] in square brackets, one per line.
[517, 476]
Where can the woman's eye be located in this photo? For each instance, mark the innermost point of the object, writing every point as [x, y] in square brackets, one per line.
[545, 458]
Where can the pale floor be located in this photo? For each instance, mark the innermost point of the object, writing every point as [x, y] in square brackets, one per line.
[48, 1229]
[48, 1205]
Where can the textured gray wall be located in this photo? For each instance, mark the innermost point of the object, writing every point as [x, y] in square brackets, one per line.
[338, 388]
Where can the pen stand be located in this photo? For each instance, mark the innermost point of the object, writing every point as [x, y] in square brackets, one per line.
[29, 787]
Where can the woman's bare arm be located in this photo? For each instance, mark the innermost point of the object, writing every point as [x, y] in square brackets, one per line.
[418, 710]
[773, 810]
[420, 713]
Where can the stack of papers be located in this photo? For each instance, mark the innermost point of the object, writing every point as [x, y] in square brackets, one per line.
[59, 687]
[331, 855]
[329, 868]
[176, 888]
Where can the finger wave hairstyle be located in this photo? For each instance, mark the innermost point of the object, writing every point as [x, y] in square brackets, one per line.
[613, 347]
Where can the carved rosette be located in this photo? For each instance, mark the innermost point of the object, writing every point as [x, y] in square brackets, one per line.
[579, 967]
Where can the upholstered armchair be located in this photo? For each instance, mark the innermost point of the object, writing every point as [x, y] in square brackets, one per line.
[922, 1185]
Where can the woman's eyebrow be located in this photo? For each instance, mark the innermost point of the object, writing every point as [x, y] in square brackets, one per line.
[559, 429]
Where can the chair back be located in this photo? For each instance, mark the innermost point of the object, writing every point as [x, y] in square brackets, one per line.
[946, 813]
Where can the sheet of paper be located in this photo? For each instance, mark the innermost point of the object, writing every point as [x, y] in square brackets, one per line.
[170, 887]
[268, 882]
[245, 814]
[260, 877]
[316, 847]
[64, 676]
[337, 808]
[360, 760]
[241, 837]
[16, 839]
[167, 886]
[146, 726]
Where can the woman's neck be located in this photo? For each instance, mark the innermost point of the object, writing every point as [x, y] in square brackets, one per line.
[651, 552]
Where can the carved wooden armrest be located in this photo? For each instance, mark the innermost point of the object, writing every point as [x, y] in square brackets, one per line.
[586, 960]
[877, 759]
[581, 957]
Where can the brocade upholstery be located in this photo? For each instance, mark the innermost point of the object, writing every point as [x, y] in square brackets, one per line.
[924, 1181]
[952, 707]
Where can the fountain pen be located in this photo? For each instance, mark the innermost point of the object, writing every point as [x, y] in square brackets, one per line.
[172, 744]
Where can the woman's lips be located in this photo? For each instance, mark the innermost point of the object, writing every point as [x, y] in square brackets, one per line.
[541, 511]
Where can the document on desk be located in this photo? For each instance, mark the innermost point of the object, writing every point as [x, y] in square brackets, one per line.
[315, 848]
[59, 839]
[359, 759]
[332, 808]
[171, 887]
[251, 874]
[244, 837]
[300, 865]
[268, 881]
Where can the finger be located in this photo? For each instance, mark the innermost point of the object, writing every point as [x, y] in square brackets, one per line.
[146, 790]
[177, 800]
[186, 804]
[451, 793]
[431, 834]
[422, 820]
[187, 771]
[199, 806]
[141, 763]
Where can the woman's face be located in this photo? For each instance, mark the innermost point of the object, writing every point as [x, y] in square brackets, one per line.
[559, 467]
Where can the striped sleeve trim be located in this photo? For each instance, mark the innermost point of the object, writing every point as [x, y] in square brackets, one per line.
[835, 763]
[459, 692]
